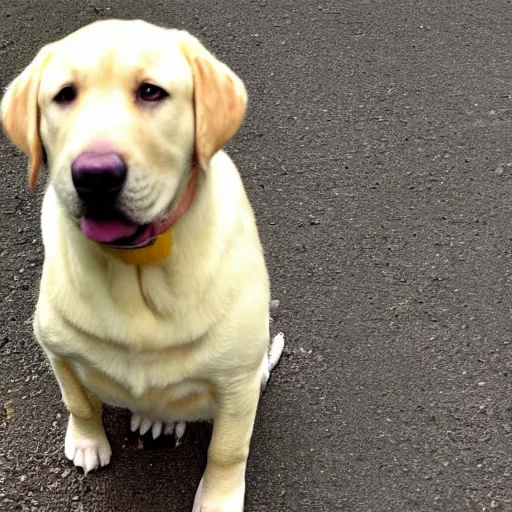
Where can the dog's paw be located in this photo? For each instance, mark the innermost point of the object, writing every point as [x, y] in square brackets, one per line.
[217, 501]
[272, 358]
[87, 445]
[275, 351]
[144, 425]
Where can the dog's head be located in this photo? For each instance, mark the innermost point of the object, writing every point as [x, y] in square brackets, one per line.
[120, 111]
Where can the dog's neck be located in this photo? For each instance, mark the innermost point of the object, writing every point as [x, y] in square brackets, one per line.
[161, 248]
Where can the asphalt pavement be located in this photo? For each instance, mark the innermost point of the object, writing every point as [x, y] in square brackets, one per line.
[377, 155]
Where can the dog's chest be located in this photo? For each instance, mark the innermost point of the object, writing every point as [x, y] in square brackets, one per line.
[154, 390]
[124, 353]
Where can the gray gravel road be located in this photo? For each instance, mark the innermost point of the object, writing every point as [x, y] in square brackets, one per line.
[377, 155]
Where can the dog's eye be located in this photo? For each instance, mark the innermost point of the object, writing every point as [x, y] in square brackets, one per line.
[66, 95]
[150, 92]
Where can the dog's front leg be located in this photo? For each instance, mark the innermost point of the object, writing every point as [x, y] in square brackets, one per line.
[86, 442]
[222, 487]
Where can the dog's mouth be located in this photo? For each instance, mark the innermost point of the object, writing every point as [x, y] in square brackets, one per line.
[118, 233]
[112, 229]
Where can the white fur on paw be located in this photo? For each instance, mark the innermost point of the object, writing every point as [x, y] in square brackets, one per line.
[144, 425]
[233, 502]
[179, 431]
[87, 451]
[272, 358]
[135, 422]
[169, 429]
[156, 429]
[275, 351]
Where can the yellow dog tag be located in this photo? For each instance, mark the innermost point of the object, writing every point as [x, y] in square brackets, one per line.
[150, 255]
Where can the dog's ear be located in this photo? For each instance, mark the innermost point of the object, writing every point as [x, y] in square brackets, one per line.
[220, 99]
[20, 113]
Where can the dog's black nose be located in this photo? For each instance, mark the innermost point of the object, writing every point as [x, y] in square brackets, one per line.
[98, 177]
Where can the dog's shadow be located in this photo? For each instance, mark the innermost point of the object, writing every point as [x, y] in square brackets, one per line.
[147, 474]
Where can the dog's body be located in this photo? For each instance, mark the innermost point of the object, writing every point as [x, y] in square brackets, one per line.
[184, 338]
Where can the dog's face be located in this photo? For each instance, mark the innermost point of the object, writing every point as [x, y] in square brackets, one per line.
[117, 123]
[122, 110]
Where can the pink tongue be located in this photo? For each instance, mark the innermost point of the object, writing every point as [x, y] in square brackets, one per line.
[106, 231]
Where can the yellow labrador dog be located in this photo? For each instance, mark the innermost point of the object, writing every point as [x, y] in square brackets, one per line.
[154, 293]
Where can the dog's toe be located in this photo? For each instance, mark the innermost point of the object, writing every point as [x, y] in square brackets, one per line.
[272, 358]
[275, 351]
[135, 422]
[169, 429]
[156, 429]
[145, 425]
[180, 430]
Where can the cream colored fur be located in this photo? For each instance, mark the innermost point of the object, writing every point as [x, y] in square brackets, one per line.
[182, 340]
